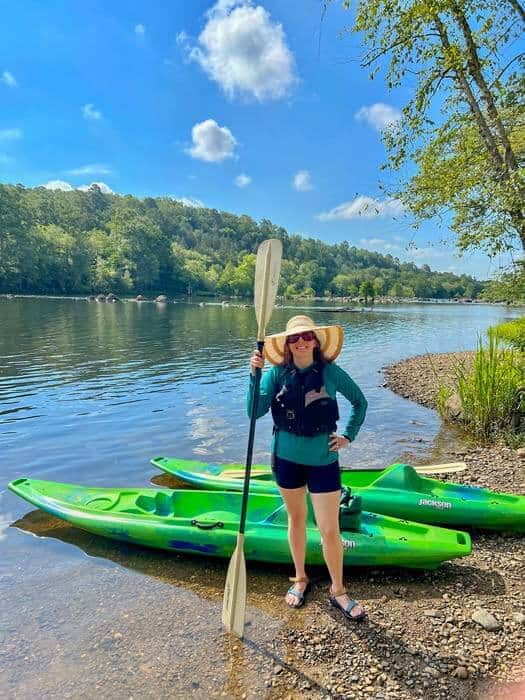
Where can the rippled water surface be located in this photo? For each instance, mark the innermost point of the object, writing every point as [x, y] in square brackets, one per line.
[89, 392]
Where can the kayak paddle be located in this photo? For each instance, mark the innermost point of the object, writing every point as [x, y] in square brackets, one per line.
[239, 472]
[267, 269]
[441, 468]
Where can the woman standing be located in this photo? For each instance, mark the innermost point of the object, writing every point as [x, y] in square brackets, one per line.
[300, 389]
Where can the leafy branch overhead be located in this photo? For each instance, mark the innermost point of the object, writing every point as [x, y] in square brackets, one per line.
[463, 131]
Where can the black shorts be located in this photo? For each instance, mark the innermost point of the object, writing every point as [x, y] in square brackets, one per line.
[324, 478]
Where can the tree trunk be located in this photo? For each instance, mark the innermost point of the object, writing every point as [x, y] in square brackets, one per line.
[461, 79]
[476, 73]
[500, 166]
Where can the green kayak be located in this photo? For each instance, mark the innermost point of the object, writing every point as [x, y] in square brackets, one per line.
[206, 523]
[398, 491]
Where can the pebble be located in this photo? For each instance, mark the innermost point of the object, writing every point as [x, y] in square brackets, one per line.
[486, 620]
[461, 672]
[519, 617]
[432, 671]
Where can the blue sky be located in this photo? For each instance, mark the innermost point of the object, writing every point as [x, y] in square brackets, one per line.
[247, 107]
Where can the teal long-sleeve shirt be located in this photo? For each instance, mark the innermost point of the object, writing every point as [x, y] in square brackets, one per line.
[312, 451]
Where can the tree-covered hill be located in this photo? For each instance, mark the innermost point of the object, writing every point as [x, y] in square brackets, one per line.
[87, 241]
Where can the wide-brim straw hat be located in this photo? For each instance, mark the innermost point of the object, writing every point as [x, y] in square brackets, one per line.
[330, 339]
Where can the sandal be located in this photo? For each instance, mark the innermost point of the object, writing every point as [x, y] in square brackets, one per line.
[300, 595]
[347, 611]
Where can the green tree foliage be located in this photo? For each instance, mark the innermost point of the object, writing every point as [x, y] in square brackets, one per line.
[366, 290]
[78, 242]
[460, 58]
[509, 287]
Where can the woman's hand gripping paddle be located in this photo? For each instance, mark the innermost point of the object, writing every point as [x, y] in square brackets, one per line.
[267, 269]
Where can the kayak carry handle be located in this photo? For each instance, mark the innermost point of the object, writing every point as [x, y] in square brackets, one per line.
[207, 526]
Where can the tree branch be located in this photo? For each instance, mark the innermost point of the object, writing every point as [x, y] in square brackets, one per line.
[474, 68]
[518, 8]
[369, 59]
[465, 88]
[520, 55]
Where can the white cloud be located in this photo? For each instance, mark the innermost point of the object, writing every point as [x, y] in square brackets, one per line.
[404, 252]
[379, 115]
[140, 29]
[189, 202]
[302, 182]
[243, 180]
[10, 134]
[425, 253]
[58, 185]
[211, 142]
[242, 50]
[101, 185]
[66, 187]
[364, 207]
[92, 169]
[380, 243]
[89, 112]
[9, 79]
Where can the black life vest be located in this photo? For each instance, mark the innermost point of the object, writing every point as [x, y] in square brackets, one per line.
[303, 406]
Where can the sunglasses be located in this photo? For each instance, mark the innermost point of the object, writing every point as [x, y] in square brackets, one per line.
[305, 335]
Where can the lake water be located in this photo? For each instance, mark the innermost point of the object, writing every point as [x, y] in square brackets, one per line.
[89, 392]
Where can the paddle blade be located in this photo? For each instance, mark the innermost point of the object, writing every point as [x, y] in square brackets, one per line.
[234, 601]
[267, 270]
[441, 468]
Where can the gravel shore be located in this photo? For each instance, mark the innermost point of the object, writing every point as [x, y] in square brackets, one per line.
[458, 632]
[417, 378]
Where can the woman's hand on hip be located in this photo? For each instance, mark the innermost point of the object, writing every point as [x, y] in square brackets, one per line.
[337, 442]
[256, 361]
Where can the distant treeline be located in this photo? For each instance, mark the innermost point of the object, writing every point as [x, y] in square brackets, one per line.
[86, 241]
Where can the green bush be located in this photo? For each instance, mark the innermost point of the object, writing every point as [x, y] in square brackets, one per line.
[512, 332]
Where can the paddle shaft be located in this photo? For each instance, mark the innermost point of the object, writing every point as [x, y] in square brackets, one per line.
[251, 437]
[261, 328]
[267, 269]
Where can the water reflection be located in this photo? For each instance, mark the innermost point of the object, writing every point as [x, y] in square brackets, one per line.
[89, 393]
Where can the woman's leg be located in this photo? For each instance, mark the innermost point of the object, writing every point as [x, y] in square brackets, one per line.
[326, 508]
[295, 502]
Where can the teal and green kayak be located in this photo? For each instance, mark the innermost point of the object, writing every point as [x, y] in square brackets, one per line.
[207, 522]
[398, 491]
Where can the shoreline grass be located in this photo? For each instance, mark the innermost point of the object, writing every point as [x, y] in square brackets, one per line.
[488, 392]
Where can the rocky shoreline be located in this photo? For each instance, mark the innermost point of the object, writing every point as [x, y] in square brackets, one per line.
[458, 632]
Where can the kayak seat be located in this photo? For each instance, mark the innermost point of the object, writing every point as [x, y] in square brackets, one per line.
[402, 477]
[350, 510]
[159, 504]
[101, 503]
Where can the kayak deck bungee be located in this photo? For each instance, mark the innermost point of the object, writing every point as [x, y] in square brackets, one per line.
[207, 522]
[398, 491]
